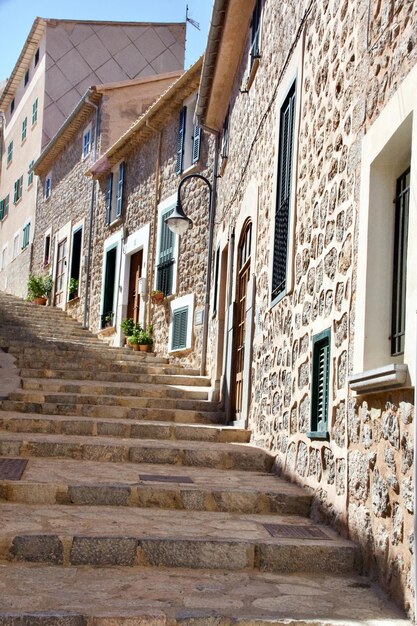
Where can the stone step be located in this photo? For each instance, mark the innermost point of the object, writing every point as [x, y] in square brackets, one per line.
[124, 389]
[107, 449]
[46, 481]
[127, 537]
[89, 368]
[185, 416]
[74, 400]
[44, 595]
[182, 379]
[52, 351]
[126, 429]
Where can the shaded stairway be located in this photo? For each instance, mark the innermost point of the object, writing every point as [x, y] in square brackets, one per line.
[129, 502]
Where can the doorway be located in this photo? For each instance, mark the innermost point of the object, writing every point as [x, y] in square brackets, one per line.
[133, 303]
[107, 317]
[242, 280]
[61, 273]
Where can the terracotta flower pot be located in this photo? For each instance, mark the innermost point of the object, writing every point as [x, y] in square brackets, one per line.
[143, 347]
[40, 300]
[135, 346]
[157, 298]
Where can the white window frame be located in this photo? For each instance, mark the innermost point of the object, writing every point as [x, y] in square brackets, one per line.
[48, 186]
[3, 257]
[384, 149]
[48, 233]
[182, 303]
[294, 73]
[163, 208]
[87, 131]
[15, 251]
[187, 159]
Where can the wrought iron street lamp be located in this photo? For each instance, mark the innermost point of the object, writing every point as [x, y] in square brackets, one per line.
[178, 221]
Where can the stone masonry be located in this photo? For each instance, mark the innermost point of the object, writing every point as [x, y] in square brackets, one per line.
[354, 56]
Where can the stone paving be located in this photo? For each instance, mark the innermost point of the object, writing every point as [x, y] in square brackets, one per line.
[138, 506]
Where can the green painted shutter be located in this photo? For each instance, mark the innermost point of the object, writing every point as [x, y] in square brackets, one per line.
[282, 213]
[6, 205]
[179, 328]
[109, 194]
[196, 144]
[120, 189]
[16, 192]
[181, 138]
[165, 268]
[1, 209]
[320, 385]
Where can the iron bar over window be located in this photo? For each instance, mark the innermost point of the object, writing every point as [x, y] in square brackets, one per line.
[402, 201]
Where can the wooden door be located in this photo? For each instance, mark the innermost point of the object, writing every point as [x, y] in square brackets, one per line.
[61, 273]
[133, 303]
[242, 280]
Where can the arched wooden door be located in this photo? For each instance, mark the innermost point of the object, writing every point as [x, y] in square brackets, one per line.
[242, 280]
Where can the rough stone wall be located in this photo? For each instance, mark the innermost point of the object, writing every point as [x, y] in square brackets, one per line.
[350, 70]
[69, 201]
[15, 276]
[139, 207]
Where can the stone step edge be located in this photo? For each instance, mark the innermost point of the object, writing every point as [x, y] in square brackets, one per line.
[176, 454]
[157, 495]
[278, 556]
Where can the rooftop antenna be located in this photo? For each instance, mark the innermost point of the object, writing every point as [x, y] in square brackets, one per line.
[190, 19]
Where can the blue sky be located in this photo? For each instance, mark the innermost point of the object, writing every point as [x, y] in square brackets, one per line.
[16, 18]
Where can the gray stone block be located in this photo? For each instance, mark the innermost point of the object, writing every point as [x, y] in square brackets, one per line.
[103, 551]
[38, 549]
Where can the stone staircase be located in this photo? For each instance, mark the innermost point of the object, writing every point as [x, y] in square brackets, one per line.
[128, 501]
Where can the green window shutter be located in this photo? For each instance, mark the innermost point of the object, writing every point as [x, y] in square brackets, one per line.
[196, 144]
[120, 189]
[179, 329]
[320, 385]
[24, 128]
[34, 111]
[10, 152]
[16, 192]
[25, 238]
[181, 138]
[1, 209]
[30, 173]
[6, 205]
[165, 267]
[109, 194]
[282, 212]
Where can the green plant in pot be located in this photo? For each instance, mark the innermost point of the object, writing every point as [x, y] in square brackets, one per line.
[39, 287]
[127, 326]
[141, 339]
[134, 336]
[73, 288]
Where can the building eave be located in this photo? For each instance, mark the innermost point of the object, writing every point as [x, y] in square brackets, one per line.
[152, 120]
[67, 131]
[31, 45]
[226, 40]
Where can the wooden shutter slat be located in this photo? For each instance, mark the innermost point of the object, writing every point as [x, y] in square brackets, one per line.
[196, 143]
[120, 189]
[181, 138]
[109, 194]
[179, 328]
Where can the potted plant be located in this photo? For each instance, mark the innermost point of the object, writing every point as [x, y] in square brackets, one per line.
[133, 338]
[108, 319]
[39, 287]
[145, 339]
[73, 289]
[157, 296]
[127, 326]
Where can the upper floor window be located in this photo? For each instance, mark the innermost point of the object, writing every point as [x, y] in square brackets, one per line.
[282, 210]
[87, 142]
[18, 190]
[12, 105]
[34, 111]
[25, 235]
[114, 193]
[30, 173]
[15, 245]
[10, 153]
[402, 203]
[24, 128]
[36, 57]
[48, 186]
[26, 77]
[189, 137]
[4, 207]
[320, 386]
[255, 32]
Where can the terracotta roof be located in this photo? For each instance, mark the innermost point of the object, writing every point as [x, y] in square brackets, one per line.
[153, 119]
[79, 115]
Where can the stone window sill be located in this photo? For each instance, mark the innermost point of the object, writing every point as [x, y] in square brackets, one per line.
[392, 376]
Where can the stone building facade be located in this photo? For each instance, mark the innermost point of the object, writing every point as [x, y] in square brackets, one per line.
[149, 154]
[62, 235]
[335, 81]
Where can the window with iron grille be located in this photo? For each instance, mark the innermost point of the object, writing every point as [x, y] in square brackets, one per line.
[402, 201]
[179, 328]
[34, 112]
[282, 212]
[320, 386]
[166, 260]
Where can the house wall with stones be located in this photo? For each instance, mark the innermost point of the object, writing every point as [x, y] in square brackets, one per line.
[69, 203]
[141, 197]
[352, 57]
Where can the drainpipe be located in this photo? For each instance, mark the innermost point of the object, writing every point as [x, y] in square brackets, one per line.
[151, 255]
[212, 212]
[415, 488]
[90, 233]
